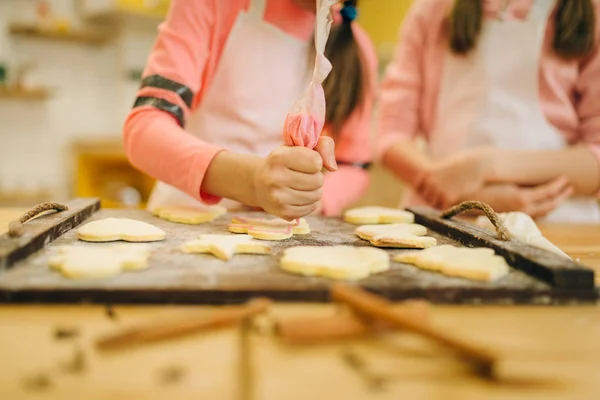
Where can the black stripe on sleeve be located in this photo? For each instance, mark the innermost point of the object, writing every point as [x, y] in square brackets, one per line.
[161, 82]
[364, 166]
[163, 105]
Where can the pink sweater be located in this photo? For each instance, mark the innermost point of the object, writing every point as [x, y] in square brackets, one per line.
[569, 90]
[187, 51]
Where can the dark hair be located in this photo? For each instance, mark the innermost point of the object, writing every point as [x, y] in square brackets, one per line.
[345, 85]
[574, 33]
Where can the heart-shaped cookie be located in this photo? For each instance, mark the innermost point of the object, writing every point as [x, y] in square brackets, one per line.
[113, 229]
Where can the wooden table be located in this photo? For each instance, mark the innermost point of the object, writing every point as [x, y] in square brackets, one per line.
[546, 352]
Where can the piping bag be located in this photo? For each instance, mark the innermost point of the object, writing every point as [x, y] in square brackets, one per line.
[305, 121]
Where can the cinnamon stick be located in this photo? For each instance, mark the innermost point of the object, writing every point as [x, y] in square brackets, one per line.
[181, 326]
[379, 308]
[315, 330]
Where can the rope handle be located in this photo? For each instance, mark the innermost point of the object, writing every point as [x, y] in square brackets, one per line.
[15, 228]
[501, 230]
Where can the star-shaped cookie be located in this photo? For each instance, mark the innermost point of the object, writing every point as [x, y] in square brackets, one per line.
[225, 246]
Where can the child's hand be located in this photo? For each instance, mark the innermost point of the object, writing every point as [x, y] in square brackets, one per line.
[289, 183]
[536, 201]
[451, 180]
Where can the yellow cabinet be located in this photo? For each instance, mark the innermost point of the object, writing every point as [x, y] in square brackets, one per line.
[102, 170]
[110, 9]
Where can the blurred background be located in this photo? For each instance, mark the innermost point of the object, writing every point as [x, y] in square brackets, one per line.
[69, 72]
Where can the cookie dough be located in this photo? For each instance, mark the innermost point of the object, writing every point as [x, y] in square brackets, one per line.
[225, 246]
[113, 229]
[269, 229]
[189, 214]
[377, 215]
[406, 236]
[480, 264]
[335, 262]
[92, 262]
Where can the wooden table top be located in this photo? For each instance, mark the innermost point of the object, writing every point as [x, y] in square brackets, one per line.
[546, 352]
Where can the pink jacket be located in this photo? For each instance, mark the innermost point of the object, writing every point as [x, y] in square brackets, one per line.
[187, 52]
[569, 90]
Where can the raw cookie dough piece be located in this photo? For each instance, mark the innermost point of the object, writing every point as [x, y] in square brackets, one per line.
[405, 236]
[480, 264]
[225, 246]
[91, 262]
[269, 229]
[522, 227]
[189, 214]
[378, 215]
[113, 229]
[336, 262]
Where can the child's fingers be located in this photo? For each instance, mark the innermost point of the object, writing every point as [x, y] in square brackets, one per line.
[326, 148]
[547, 191]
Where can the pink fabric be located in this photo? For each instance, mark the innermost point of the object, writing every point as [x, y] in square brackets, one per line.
[302, 130]
[187, 50]
[343, 188]
[569, 90]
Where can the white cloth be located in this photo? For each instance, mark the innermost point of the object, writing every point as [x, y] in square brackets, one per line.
[255, 85]
[522, 227]
[496, 85]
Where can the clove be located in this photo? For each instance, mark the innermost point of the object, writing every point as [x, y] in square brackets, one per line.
[77, 364]
[171, 375]
[110, 312]
[63, 333]
[374, 381]
[38, 382]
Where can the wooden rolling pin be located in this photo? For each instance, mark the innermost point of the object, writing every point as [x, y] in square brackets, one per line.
[379, 308]
[311, 330]
[183, 325]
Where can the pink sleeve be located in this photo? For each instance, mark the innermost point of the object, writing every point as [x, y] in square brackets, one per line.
[154, 139]
[588, 89]
[402, 85]
[353, 145]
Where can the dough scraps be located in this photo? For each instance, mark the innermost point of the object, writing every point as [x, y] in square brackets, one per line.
[522, 227]
[269, 229]
[189, 214]
[97, 262]
[335, 262]
[113, 229]
[378, 215]
[480, 264]
[402, 235]
[225, 246]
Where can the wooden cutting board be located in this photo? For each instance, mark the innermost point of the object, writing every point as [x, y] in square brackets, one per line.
[175, 277]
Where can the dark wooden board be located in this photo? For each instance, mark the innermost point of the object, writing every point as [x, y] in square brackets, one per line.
[559, 272]
[174, 277]
[42, 230]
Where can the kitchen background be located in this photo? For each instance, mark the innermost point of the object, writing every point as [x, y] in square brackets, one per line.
[69, 71]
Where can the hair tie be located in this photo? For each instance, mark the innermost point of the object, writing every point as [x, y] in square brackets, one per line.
[349, 12]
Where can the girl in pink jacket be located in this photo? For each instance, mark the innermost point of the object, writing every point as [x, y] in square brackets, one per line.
[506, 95]
[219, 82]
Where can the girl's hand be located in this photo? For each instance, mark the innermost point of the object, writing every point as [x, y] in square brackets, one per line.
[536, 201]
[289, 183]
[451, 180]
[318, 211]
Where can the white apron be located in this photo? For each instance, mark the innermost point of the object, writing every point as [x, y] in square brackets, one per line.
[496, 86]
[254, 87]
